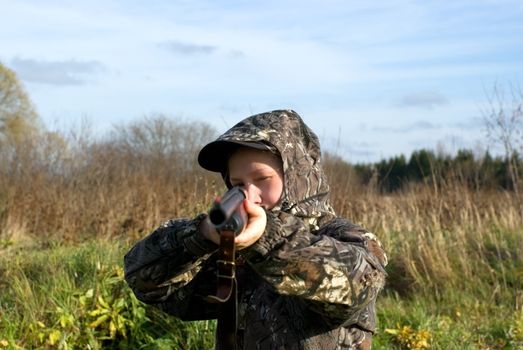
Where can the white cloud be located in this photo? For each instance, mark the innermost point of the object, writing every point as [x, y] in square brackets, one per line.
[69, 72]
[185, 48]
[420, 125]
[428, 100]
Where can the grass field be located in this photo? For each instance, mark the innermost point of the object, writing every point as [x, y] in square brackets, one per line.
[455, 282]
[71, 207]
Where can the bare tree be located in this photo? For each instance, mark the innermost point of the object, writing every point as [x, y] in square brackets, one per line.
[503, 120]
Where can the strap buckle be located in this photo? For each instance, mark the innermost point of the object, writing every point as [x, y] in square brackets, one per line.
[226, 269]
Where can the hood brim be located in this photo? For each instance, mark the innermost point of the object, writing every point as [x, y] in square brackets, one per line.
[215, 155]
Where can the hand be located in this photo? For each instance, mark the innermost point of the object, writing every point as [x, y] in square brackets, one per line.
[256, 222]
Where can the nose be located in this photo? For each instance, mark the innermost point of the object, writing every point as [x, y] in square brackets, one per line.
[253, 193]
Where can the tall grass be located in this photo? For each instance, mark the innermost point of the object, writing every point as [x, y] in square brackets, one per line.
[445, 239]
[69, 297]
[456, 258]
[72, 184]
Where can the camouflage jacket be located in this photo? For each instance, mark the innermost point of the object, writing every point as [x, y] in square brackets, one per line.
[311, 280]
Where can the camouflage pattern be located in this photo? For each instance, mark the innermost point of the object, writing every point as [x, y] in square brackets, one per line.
[306, 189]
[310, 282]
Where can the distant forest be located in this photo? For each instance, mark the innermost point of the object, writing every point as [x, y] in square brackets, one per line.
[427, 167]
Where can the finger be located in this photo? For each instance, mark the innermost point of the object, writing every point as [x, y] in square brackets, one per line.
[250, 207]
[254, 211]
[255, 226]
[249, 235]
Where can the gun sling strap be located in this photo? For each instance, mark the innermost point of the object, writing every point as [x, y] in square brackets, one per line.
[226, 293]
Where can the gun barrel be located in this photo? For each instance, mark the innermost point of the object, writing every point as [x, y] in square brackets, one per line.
[224, 208]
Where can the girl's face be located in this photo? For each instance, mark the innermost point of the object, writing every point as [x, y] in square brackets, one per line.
[259, 174]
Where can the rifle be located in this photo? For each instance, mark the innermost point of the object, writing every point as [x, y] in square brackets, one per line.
[229, 218]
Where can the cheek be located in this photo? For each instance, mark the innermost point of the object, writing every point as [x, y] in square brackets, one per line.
[273, 192]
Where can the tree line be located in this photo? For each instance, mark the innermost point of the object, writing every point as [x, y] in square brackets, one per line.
[466, 167]
[503, 120]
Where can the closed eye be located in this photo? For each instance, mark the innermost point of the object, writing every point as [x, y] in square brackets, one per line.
[263, 178]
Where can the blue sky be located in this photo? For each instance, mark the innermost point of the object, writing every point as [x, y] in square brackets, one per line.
[373, 80]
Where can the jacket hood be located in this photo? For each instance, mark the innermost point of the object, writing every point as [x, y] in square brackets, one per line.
[306, 192]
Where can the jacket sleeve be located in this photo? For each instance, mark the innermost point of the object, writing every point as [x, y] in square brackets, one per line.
[334, 270]
[172, 267]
